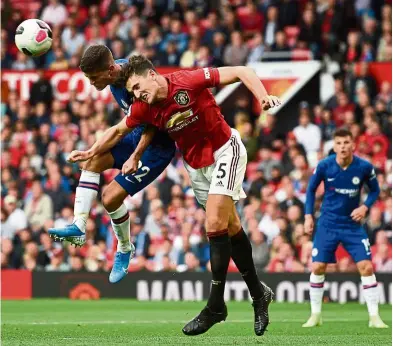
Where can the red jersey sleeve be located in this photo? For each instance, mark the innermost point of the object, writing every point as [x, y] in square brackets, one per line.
[207, 77]
[138, 114]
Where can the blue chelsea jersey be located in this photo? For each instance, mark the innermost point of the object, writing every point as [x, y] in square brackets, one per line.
[342, 190]
[121, 95]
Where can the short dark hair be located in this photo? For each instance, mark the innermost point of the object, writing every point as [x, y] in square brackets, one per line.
[139, 65]
[96, 58]
[343, 132]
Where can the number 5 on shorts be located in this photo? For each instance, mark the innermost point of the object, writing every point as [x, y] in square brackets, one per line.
[221, 170]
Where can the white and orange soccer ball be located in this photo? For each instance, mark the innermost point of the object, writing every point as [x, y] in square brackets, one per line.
[33, 37]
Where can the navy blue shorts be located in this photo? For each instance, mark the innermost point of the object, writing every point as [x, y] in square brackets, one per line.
[153, 161]
[326, 241]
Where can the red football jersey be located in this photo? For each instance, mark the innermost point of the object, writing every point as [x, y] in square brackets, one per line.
[189, 114]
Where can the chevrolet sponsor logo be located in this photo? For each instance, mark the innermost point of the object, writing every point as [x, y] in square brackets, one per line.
[178, 118]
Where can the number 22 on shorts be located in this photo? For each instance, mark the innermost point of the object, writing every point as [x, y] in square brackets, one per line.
[145, 170]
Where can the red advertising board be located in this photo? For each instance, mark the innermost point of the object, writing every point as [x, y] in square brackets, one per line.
[16, 284]
[63, 83]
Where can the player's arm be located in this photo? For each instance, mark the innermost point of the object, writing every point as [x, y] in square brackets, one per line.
[229, 75]
[312, 187]
[359, 213]
[106, 142]
[131, 165]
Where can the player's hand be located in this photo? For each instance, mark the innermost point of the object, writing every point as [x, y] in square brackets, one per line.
[309, 225]
[79, 156]
[359, 214]
[131, 165]
[270, 101]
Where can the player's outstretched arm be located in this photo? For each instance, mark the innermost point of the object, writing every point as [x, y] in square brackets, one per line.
[131, 165]
[229, 75]
[106, 142]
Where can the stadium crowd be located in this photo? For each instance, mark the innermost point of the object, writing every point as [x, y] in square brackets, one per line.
[37, 184]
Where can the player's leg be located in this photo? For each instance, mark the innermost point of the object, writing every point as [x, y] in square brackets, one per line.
[357, 244]
[217, 231]
[261, 294]
[220, 186]
[242, 255]
[86, 193]
[324, 247]
[112, 199]
[317, 280]
[153, 162]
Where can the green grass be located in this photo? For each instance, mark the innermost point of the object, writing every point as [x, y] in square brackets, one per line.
[128, 322]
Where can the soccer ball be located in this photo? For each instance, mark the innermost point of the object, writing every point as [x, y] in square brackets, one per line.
[33, 37]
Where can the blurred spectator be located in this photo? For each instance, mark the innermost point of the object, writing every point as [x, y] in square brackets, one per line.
[141, 239]
[39, 207]
[76, 263]
[13, 218]
[267, 162]
[288, 13]
[178, 38]
[256, 48]
[41, 90]
[271, 26]
[280, 48]
[155, 218]
[170, 57]
[268, 225]
[189, 57]
[54, 13]
[191, 263]
[56, 262]
[260, 250]
[310, 31]
[23, 62]
[307, 133]
[363, 79]
[251, 21]
[382, 260]
[235, 53]
[72, 40]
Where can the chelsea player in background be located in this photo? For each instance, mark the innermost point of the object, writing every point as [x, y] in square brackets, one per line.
[343, 175]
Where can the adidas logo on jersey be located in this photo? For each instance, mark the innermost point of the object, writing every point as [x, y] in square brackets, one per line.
[220, 184]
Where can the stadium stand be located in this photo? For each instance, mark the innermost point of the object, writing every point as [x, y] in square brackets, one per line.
[37, 183]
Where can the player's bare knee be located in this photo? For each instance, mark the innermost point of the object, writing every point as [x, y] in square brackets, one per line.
[98, 163]
[215, 223]
[92, 165]
[365, 268]
[110, 199]
[234, 225]
[319, 268]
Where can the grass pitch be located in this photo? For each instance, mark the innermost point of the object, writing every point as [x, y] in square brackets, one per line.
[128, 322]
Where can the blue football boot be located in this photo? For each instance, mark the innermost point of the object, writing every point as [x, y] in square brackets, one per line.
[70, 233]
[120, 265]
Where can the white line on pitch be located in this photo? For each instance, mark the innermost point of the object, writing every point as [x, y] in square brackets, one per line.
[164, 321]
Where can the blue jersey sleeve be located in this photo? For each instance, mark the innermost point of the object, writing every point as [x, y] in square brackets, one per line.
[313, 184]
[372, 183]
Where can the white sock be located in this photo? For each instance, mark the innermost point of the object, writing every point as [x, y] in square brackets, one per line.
[120, 219]
[316, 292]
[370, 292]
[86, 193]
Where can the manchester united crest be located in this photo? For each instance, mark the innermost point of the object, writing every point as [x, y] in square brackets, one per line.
[182, 98]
